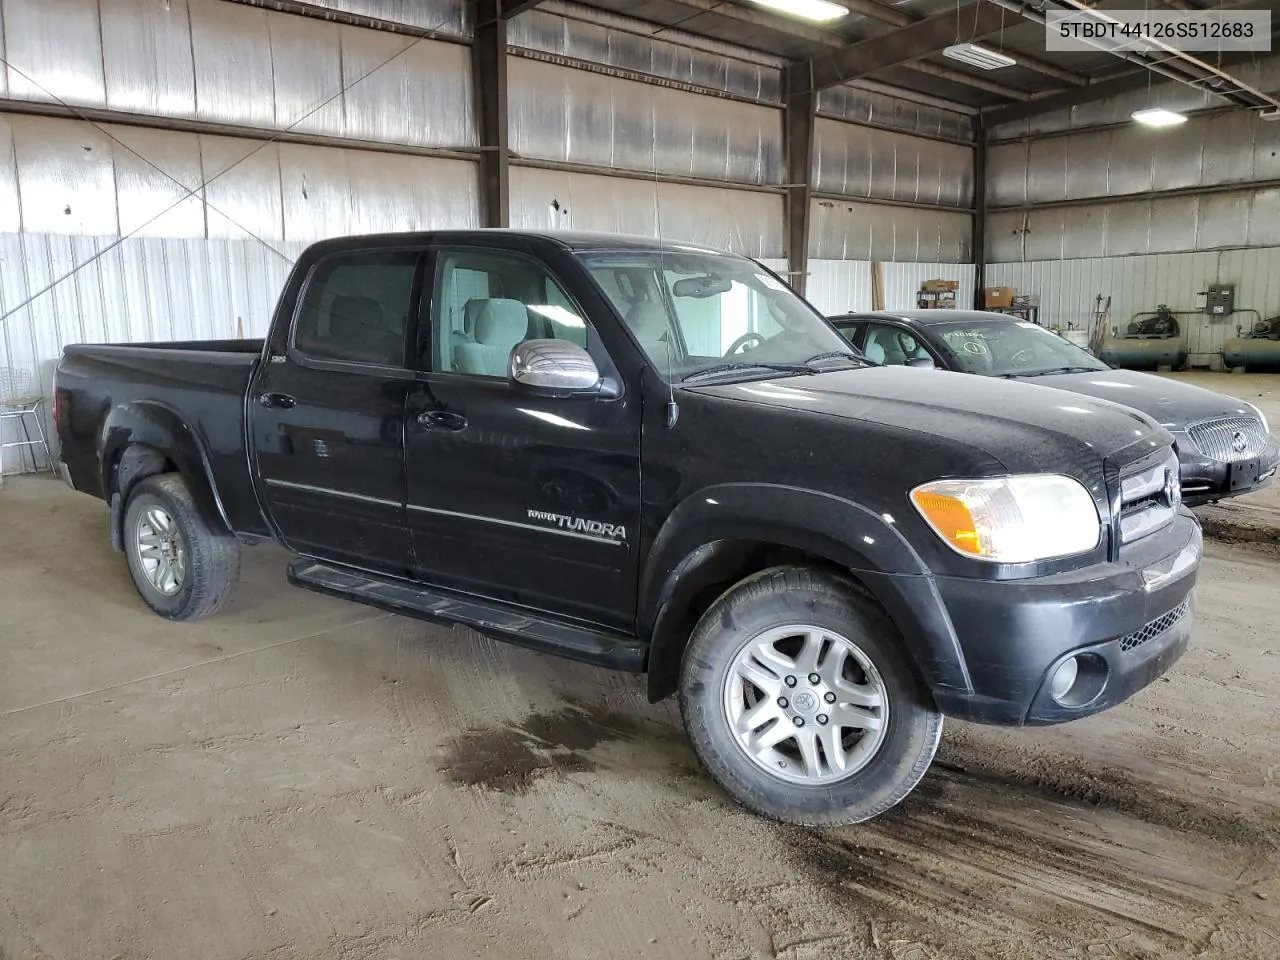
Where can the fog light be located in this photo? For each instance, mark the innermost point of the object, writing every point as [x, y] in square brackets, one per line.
[1064, 678]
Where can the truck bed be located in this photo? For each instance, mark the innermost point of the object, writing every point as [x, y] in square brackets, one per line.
[201, 384]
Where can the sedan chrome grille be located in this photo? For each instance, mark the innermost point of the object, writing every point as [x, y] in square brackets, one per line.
[1156, 627]
[1149, 499]
[1229, 439]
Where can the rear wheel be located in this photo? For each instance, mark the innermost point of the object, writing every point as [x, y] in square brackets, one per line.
[181, 568]
[799, 698]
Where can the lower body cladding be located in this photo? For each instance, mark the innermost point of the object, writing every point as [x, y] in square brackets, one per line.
[1061, 647]
[1205, 479]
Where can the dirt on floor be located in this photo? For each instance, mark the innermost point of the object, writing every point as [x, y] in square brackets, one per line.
[306, 778]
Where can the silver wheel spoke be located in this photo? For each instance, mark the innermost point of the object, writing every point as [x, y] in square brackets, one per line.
[808, 741]
[158, 546]
[859, 718]
[795, 694]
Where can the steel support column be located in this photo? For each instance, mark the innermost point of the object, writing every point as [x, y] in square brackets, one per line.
[979, 213]
[799, 109]
[489, 75]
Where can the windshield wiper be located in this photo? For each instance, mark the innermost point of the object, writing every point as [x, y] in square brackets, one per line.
[842, 355]
[729, 367]
[1050, 372]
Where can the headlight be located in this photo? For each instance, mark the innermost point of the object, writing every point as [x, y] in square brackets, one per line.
[1266, 427]
[1011, 519]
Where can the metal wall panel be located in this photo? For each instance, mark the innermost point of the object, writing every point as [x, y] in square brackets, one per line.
[1067, 289]
[448, 17]
[847, 230]
[610, 40]
[231, 48]
[53, 51]
[307, 70]
[155, 194]
[558, 113]
[10, 209]
[743, 221]
[839, 286]
[869, 107]
[66, 176]
[146, 56]
[422, 97]
[1007, 174]
[243, 184]
[859, 161]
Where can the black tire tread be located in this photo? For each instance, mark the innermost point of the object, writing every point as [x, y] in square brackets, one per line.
[213, 559]
[830, 584]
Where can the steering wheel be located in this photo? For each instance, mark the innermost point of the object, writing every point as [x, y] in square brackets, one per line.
[743, 340]
[1025, 355]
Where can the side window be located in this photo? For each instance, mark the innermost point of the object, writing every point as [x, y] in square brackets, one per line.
[892, 345]
[488, 302]
[852, 332]
[356, 308]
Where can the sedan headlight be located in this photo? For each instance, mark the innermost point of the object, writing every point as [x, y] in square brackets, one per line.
[1011, 519]
[1266, 427]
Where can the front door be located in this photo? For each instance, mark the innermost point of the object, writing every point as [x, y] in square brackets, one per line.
[327, 416]
[532, 500]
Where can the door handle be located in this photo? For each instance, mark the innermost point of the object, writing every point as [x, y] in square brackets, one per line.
[280, 401]
[442, 420]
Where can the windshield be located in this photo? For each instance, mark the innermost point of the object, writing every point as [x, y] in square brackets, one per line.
[703, 315]
[1011, 348]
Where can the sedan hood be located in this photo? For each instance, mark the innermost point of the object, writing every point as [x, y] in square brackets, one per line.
[1025, 427]
[1169, 402]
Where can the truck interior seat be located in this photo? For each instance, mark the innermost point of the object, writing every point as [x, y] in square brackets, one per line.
[499, 325]
[648, 321]
[360, 320]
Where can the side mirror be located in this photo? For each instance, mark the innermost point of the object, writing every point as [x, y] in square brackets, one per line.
[553, 368]
[923, 362]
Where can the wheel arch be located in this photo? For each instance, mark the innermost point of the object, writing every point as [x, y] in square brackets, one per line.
[141, 440]
[717, 537]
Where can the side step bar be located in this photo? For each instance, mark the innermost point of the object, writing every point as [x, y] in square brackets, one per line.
[500, 621]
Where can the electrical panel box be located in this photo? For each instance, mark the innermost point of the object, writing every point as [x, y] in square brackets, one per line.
[1220, 300]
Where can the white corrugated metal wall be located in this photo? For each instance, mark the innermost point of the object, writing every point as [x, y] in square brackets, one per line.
[162, 162]
[1086, 203]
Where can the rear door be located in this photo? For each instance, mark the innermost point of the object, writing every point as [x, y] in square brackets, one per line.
[527, 499]
[327, 411]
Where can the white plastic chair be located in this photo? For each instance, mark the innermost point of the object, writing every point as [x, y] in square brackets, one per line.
[23, 408]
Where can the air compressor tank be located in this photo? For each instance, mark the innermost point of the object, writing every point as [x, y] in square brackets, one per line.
[1258, 351]
[1150, 342]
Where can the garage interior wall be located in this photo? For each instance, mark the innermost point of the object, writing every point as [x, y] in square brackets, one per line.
[163, 162]
[1086, 202]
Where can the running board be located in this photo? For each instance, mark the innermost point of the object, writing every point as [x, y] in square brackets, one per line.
[493, 619]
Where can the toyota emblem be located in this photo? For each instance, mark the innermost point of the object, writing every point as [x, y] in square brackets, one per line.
[1238, 442]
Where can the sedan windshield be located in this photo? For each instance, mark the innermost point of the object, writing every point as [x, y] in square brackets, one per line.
[1011, 348]
[704, 316]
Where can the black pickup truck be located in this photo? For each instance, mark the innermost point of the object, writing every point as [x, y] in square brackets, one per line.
[656, 457]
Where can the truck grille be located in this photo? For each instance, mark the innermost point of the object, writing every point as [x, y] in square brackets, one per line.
[1156, 627]
[1229, 439]
[1149, 499]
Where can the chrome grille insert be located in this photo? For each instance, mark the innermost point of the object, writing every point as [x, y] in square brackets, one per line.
[1229, 439]
[1156, 627]
[1148, 499]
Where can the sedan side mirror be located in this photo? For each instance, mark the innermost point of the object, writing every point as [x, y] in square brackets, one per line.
[553, 368]
[925, 362]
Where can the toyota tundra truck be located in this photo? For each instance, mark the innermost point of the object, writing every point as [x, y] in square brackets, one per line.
[656, 457]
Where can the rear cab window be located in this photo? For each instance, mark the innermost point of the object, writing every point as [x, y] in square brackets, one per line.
[357, 308]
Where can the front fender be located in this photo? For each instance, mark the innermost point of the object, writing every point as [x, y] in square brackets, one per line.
[868, 544]
[160, 428]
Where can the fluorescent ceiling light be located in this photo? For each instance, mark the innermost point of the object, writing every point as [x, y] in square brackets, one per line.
[1156, 117]
[819, 11]
[977, 56]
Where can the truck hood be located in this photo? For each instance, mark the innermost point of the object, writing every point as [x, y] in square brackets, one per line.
[1026, 428]
[1170, 403]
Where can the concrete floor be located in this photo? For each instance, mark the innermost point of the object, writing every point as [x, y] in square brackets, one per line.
[301, 777]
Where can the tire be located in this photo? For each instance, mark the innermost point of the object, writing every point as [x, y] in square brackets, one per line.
[204, 565]
[862, 656]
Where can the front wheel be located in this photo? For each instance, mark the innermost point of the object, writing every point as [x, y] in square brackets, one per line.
[800, 700]
[181, 568]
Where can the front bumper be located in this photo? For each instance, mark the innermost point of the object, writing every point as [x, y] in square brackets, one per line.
[1205, 480]
[1131, 619]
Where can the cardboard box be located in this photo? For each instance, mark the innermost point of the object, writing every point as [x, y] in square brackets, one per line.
[997, 297]
[940, 286]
